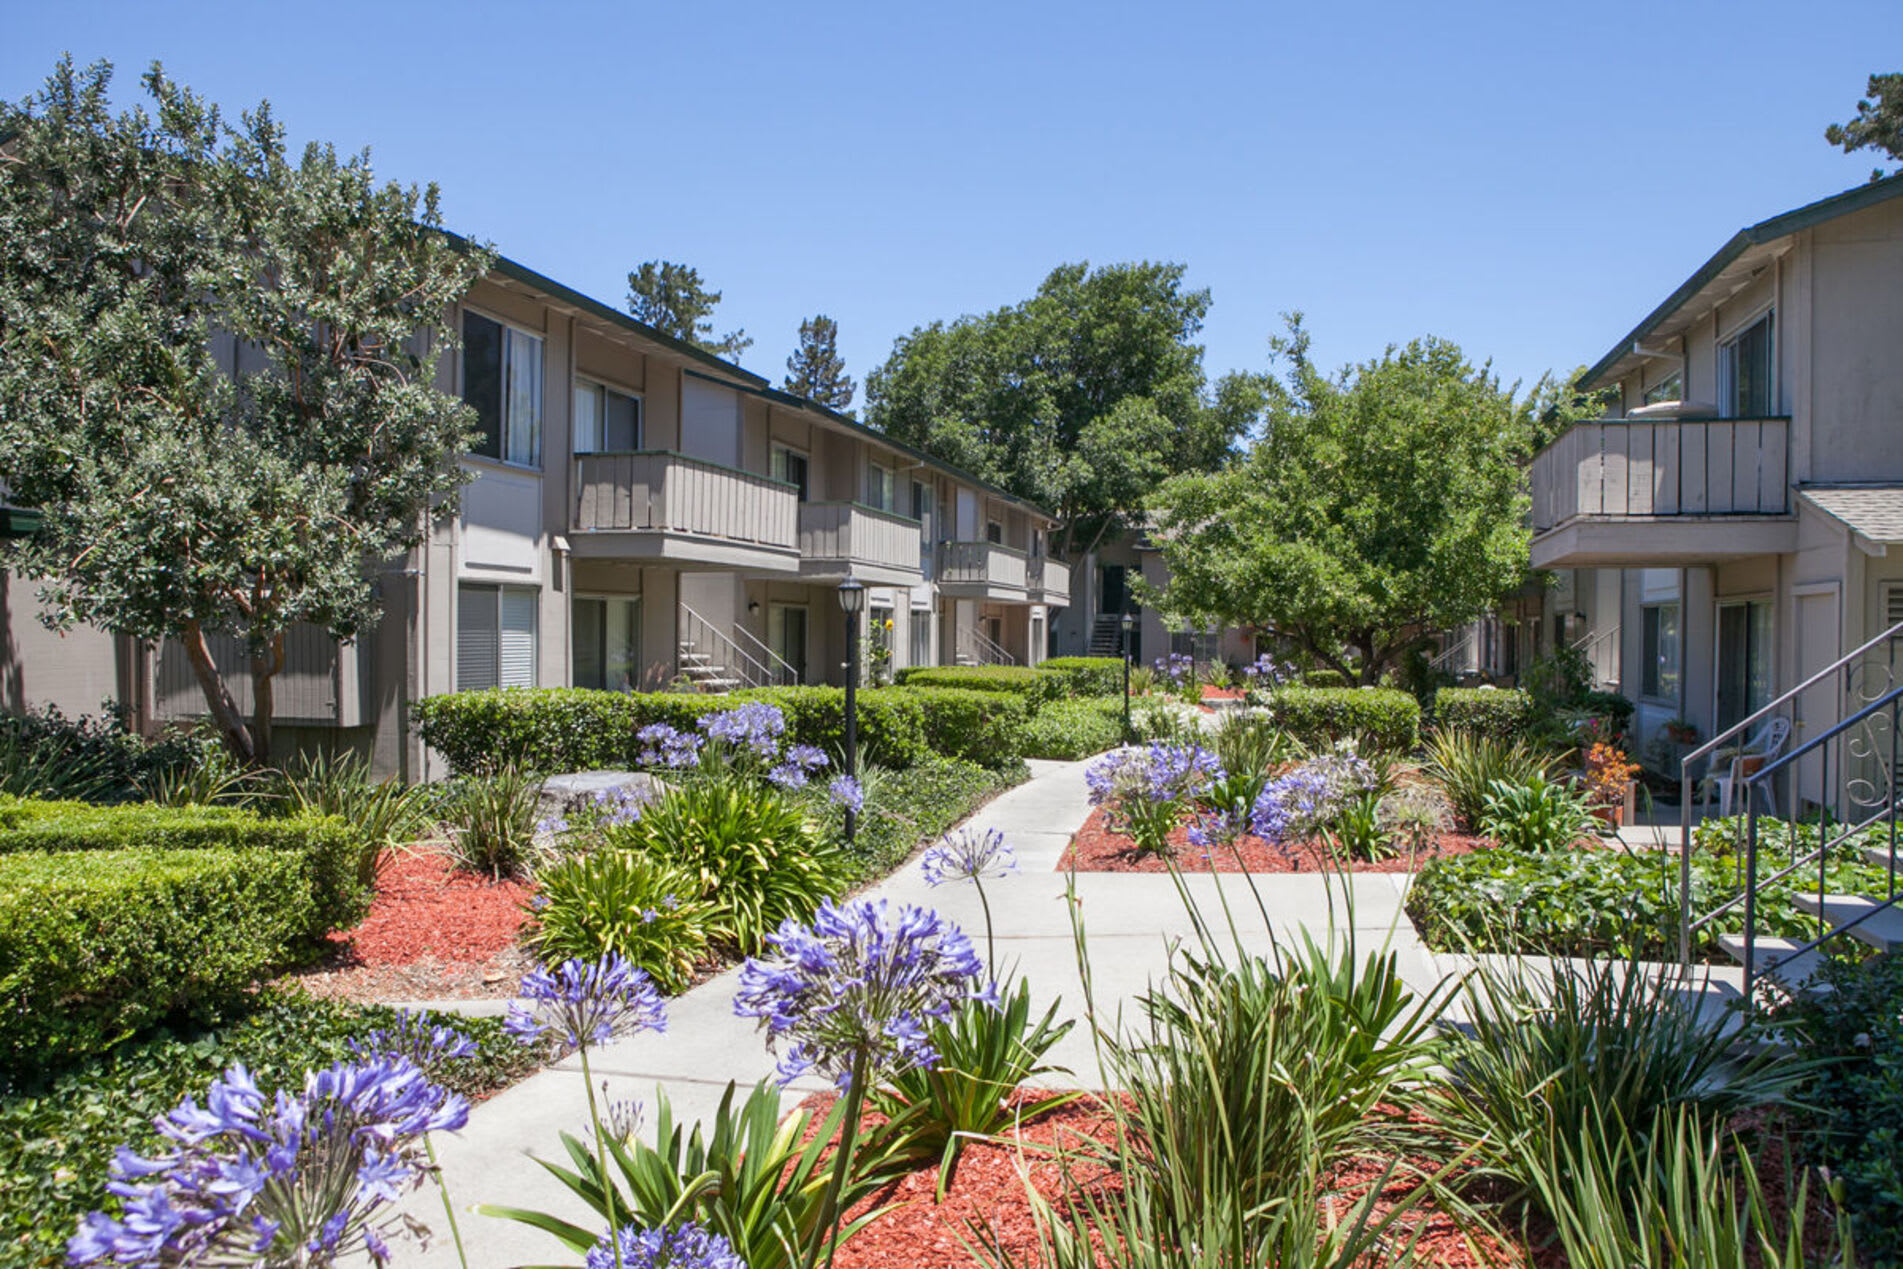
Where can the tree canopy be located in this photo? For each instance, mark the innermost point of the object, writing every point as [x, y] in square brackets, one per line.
[1382, 502]
[816, 371]
[1082, 399]
[217, 374]
[670, 298]
[1878, 124]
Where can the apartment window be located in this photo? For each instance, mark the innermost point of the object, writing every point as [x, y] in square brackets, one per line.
[994, 532]
[502, 380]
[790, 465]
[786, 635]
[606, 421]
[607, 642]
[1670, 388]
[495, 636]
[1659, 651]
[879, 494]
[1746, 364]
[921, 637]
[1744, 660]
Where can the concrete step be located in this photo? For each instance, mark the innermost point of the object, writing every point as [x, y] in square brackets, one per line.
[1879, 856]
[1884, 931]
[1773, 959]
[696, 658]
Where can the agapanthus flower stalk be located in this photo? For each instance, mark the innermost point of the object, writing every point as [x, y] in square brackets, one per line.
[970, 855]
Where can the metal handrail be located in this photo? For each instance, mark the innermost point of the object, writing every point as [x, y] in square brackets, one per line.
[1892, 701]
[986, 650]
[1461, 645]
[774, 659]
[760, 677]
[1730, 733]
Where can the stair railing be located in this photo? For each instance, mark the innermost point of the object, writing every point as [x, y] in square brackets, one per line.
[704, 635]
[1890, 702]
[983, 649]
[780, 671]
[1454, 649]
[1842, 665]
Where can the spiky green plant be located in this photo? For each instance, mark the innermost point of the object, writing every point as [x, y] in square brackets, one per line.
[1466, 764]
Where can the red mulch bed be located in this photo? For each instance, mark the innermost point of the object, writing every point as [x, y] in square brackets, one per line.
[433, 931]
[1095, 848]
[988, 1187]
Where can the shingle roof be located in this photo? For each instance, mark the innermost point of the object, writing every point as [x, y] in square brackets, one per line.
[1875, 511]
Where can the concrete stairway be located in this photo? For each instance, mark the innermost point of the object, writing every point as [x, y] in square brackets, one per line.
[703, 672]
[1877, 922]
[1105, 634]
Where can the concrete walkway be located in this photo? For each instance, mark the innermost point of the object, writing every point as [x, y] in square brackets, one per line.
[1131, 920]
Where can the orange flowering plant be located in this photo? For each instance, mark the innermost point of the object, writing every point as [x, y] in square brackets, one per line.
[1608, 770]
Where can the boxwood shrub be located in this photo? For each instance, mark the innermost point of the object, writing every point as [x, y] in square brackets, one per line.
[983, 727]
[98, 945]
[1083, 676]
[1073, 729]
[1023, 679]
[327, 847]
[1502, 713]
[1325, 678]
[1320, 716]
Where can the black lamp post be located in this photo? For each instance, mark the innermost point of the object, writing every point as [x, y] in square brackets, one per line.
[852, 600]
[1125, 623]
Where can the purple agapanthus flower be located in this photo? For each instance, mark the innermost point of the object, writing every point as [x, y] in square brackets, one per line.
[1302, 802]
[298, 1179]
[611, 808]
[1157, 773]
[683, 1246]
[663, 746]
[968, 855]
[846, 791]
[586, 1003]
[787, 775]
[429, 1044]
[810, 757]
[860, 983]
[756, 727]
[1265, 672]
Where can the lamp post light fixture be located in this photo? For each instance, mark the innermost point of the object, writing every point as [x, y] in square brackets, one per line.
[852, 601]
[1126, 623]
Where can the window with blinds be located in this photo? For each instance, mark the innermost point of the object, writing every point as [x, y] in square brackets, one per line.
[495, 637]
[502, 380]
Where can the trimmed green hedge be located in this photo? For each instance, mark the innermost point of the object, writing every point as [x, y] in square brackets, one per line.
[98, 945]
[1073, 729]
[328, 846]
[1022, 679]
[1325, 679]
[905, 809]
[1083, 676]
[578, 729]
[1320, 716]
[1503, 714]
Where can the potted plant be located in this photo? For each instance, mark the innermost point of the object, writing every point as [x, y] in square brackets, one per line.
[1609, 775]
[1681, 731]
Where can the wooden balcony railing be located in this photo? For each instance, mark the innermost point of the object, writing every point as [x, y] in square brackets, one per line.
[852, 534]
[657, 491]
[1048, 580]
[982, 564]
[1681, 467]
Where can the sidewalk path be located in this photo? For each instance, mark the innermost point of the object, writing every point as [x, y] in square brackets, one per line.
[1131, 921]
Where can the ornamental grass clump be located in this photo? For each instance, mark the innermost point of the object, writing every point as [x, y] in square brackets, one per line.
[304, 1179]
[852, 997]
[1147, 792]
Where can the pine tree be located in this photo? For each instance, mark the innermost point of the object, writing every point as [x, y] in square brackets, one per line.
[815, 370]
[671, 298]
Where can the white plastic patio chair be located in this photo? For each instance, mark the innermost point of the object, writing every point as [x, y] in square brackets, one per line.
[1757, 751]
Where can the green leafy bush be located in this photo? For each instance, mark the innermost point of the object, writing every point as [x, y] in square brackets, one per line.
[97, 945]
[1325, 679]
[1853, 1028]
[1535, 815]
[750, 850]
[918, 804]
[328, 846]
[1466, 765]
[1072, 729]
[58, 1132]
[1022, 679]
[1374, 718]
[1503, 714]
[44, 754]
[983, 727]
[1083, 676]
[610, 900]
[1594, 901]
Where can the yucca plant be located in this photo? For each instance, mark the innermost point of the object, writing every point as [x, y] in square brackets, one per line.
[1466, 764]
[615, 900]
[750, 1176]
[985, 1053]
[387, 813]
[756, 860]
[1680, 1194]
[1545, 1055]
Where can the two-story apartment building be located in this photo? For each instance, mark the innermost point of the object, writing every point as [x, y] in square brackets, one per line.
[639, 514]
[1735, 523]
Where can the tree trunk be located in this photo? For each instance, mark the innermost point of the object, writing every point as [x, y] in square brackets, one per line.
[264, 672]
[224, 710]
[1370, 668]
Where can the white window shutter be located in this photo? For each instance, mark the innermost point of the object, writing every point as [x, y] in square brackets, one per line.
[516, 661]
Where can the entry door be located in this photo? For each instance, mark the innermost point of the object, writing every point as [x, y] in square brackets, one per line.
[1817, 709]
[786, 631]
[1115, 589]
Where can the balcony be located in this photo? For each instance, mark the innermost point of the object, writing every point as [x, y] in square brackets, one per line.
[982, 570]
[877, 547]
[1047, 581]
[658, 505]
[1663, 493]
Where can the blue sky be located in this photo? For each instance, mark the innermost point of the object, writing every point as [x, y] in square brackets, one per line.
[1526, 178]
